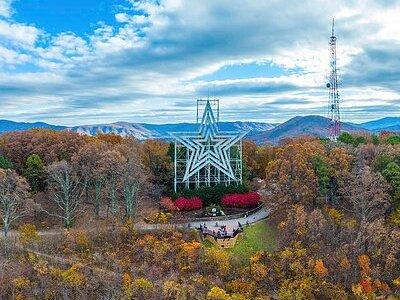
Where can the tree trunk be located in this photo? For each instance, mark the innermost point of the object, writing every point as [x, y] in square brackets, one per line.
[5, 234]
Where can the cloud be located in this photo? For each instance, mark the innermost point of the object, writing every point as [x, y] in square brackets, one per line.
[254, 86]
[18, 33]
[156, 54]
[378, 65]
[5, 8]
[8, 56]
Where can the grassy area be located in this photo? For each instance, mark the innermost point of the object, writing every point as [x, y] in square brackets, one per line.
[256, 237]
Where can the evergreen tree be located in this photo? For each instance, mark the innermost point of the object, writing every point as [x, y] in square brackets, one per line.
[34, 172]
[381, 162]
[5, 163]
[392, 175]
[321, 169]
[346, 138]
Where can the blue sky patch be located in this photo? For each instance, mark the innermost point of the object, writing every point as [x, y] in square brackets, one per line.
[250, 70]
[56, 16]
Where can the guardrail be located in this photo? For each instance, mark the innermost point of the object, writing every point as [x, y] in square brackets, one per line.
[222, 218]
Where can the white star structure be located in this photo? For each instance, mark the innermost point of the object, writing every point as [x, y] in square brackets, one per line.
[208, 146]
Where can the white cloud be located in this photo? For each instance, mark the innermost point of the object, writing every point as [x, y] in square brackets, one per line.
[11, 57]
[5, 8]
[135, 19]
[19, 33]
[156, 53]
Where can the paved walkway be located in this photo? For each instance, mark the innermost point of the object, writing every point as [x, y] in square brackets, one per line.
[261, 214]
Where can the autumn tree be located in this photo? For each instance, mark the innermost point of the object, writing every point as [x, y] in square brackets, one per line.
[155, 157]
[291, 175]
[66, 189]
[89, 163]
[256, 159]
[325, 246]
[113, 162]
[50, 145]
[264, 154]
[133, 179]
[340, 163]
[13, 195]
[249, 153]
[366, 194]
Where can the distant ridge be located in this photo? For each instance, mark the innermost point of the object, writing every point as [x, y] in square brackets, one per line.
[144, 131]
[8, 126]
[297, 126]
[388, 123]
[258, 131]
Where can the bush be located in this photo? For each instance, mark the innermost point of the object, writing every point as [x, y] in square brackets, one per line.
[168, 204]
[393, 140]
[158, 218]
[5, 163]
[28, 235]
[241, 200]
[186, 204]
[212, 194]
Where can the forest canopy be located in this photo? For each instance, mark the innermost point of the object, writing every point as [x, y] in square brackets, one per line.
[336, 213]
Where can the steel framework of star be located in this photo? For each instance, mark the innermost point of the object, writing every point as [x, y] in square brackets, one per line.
[208, 146]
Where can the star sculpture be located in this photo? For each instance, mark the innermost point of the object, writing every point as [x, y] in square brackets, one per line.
[208, 146]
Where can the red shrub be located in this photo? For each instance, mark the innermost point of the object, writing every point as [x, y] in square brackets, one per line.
[168, 204]
[241, 200]
[186, 204]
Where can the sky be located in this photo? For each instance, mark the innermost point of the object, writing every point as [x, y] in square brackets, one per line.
[98, 61]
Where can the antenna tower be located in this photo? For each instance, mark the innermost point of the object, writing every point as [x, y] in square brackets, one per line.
[332, 85]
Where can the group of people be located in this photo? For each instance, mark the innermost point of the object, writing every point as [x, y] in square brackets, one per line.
[220, 231]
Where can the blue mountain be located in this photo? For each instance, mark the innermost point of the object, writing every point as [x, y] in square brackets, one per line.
[388, 123]
[144, 131]
[301, 125]
[7, 126]
[258, 131]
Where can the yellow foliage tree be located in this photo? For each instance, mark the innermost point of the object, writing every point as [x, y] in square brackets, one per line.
[143, 288]
[216, 293]
[319, 268]
[364, 263]
[82, 242]
[219, 259]
[336, 215]
[28, 235]
[73, 277]
[21, 282]
[127, 285]
[173, 290]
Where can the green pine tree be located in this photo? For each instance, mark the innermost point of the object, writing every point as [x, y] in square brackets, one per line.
[5, 163]
[34, 172]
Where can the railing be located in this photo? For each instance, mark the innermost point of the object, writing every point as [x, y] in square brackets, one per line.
[222, 218]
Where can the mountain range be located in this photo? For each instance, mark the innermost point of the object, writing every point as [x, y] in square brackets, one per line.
[144, 131]
[258, 131]
[308, 125]
[6, 126]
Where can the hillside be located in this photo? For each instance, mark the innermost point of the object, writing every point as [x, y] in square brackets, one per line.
[388, 123]
[144, 131]
[7, 126]
[121, 128]
[308, 125]
[258, 131]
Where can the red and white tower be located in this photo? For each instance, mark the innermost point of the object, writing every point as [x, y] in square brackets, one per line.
[332, 85]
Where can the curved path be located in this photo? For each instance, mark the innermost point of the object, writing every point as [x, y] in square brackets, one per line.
[261, 214]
